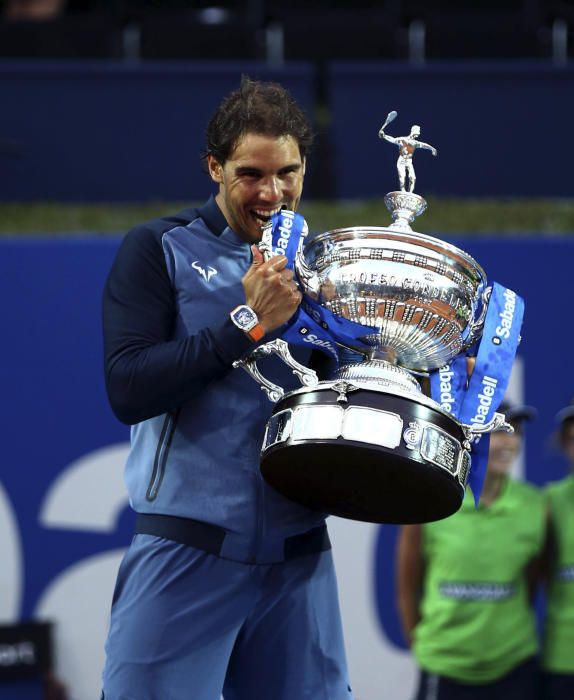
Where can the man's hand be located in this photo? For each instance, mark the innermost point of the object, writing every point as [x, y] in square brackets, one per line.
[270, 290]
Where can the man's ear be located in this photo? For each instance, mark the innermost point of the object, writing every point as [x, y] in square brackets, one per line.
[215, 169]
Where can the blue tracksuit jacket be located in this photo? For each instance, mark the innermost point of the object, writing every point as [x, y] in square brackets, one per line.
[197, 423]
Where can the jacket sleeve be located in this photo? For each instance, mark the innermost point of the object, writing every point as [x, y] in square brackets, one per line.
[147, 372]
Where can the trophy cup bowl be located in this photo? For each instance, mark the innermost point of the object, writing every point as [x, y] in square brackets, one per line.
[420, 293]
[367, 444]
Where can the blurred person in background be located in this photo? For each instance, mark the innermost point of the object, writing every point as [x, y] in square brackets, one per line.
[558, 640]
[465, 585]
[227, 585]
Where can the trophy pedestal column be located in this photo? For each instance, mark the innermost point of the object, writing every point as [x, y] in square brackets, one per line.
[404, 208]
[380, 373]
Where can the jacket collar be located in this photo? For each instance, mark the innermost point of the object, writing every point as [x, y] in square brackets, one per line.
[213, 216]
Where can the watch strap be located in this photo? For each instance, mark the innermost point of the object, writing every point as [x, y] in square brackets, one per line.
[256, 333]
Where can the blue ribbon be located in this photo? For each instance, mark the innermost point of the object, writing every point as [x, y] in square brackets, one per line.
[289, 229]
[476, 403]
[303, 330]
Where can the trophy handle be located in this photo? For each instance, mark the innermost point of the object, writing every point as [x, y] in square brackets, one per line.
[476, 327]
[279, 347]
[497, 422]
[307, 277]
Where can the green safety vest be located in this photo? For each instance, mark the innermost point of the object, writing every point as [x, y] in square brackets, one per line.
[558, 646]
[477, 623]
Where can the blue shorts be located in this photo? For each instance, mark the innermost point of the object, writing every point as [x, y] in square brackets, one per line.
[189, 625]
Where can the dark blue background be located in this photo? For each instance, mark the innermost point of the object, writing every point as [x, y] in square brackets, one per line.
[105, 131]
[501, 129]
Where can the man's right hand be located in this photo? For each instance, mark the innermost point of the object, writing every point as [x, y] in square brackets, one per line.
[270, 290]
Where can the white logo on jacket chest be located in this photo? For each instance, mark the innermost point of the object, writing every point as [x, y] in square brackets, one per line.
[207, 274]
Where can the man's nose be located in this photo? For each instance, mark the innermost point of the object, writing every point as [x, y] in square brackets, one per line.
[271, 189]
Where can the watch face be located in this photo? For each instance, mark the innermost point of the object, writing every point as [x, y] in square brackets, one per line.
[245, 316]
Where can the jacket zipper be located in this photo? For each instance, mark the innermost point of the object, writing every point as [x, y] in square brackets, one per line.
[161, 454]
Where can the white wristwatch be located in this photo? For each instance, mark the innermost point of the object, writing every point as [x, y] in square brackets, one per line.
[246, 319]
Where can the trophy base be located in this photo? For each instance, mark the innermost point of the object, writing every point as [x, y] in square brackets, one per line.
[366, 454]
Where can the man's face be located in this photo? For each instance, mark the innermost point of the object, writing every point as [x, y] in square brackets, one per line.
[262, 175]
[504, 449]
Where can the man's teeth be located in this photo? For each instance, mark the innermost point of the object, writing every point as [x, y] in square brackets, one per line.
[265, 214]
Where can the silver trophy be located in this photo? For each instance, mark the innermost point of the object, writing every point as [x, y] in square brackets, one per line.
[367, 443]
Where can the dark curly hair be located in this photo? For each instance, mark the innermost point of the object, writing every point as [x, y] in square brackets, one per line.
[258, 108]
